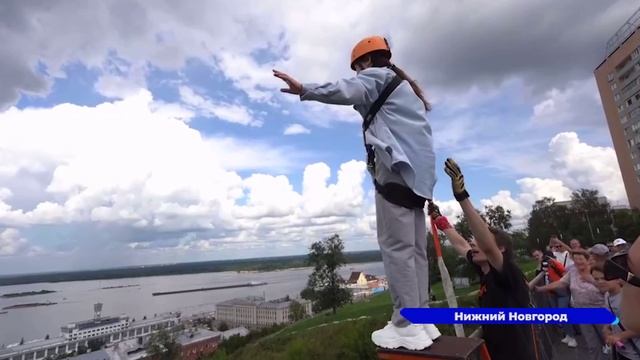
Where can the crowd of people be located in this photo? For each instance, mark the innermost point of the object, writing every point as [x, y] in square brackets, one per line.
[584, 279]
[570, 276]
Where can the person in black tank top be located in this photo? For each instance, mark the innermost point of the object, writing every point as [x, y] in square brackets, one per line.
[502, 283]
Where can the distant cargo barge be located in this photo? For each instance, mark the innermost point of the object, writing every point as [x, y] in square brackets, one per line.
[29, 305]
[120, 287]
[27, 293]
[253, 283]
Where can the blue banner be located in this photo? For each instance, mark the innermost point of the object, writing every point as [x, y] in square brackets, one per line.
[509, 315]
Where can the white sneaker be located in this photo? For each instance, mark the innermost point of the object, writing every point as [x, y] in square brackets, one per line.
[566, 339]
[412, 337]
[432, 331]
[572, 343]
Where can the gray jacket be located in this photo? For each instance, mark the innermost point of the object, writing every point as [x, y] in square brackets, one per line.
[400, 132]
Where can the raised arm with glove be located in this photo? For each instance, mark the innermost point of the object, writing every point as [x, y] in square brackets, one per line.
[484, 237]
[457, 180]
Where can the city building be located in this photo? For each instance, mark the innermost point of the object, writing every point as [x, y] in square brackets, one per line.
[97, 326]
[568, 203]
[255, 312]
[194, 344]
[361, 279]
[364, 285]
[198, 344]
[618, 79]
[75, 335]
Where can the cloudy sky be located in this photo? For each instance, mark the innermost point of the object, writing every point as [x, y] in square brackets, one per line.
[137, 132]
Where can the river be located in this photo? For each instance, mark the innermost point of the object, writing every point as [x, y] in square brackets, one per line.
[75, 299]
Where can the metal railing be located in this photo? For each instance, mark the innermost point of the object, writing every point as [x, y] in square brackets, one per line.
[623, 32]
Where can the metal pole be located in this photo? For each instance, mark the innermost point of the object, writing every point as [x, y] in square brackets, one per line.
[590, 229]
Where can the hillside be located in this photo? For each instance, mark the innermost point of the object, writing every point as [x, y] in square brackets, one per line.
[345, 335]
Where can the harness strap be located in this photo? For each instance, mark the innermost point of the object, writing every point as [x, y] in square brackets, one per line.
[400, 195]
[392, 192]
[371, 114]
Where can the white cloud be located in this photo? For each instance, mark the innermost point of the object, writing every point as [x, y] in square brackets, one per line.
[137, 164]
[578, 105]
[575, 165]
[98, 156]
[232, 113]
[296, 129]
[255, 80]
[12, 243]
[531, 189]
[167, 35]
[131, 166]
[580, 165]
[5, 193]
[269, 196]
[346, 195]
[120, 80]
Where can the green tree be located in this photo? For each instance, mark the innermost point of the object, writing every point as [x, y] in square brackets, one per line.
[324, 287]
[592, 217]
[519, 239]
[223, 326]
[462, 226]
[626, 223]
[543, 222]
[220, 354]
[296, 311]
[163, 346]
[498, 217]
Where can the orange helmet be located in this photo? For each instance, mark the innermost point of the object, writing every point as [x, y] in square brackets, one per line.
[367, 45]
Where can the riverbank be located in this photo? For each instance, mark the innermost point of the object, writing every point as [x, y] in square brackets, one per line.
[252, 265]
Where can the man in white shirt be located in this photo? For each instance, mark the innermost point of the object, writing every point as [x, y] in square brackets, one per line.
[561, 254]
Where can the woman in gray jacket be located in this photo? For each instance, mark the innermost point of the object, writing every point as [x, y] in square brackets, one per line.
[401, 161]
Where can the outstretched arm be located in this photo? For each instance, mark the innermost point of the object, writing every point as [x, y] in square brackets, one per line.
[484, 237]
[442, 223]
[554, 285]
[342, 92]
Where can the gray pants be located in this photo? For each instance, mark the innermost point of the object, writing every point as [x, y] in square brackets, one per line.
[402, 236]
[593, 341]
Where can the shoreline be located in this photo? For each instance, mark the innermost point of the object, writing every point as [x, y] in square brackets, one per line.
[243, 265]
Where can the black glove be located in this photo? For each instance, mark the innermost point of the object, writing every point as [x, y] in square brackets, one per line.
[457, 179]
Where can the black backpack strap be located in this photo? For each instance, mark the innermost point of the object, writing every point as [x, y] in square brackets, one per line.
[371, 114]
